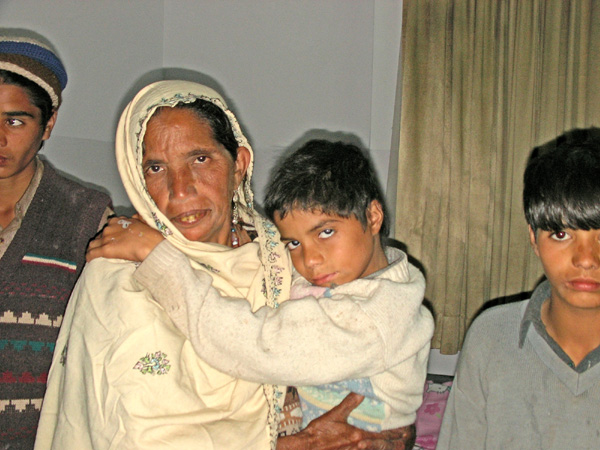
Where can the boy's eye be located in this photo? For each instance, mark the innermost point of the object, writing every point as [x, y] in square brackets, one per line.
[560, 235]
[326, 233]
[292, 245]
[14, 122]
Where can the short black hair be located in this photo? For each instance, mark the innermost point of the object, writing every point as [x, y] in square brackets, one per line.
[332, 177]
[37, 95]
[216, 119]
[562, 183]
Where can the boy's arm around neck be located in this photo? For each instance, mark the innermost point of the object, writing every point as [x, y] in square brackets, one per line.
[309, 341]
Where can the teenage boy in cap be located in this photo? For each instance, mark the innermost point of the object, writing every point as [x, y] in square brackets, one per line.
[45, 224]
[529, 372]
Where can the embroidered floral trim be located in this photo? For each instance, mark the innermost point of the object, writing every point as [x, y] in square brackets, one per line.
[209, 268]
[154, 364]
[275, 280]
[161, 226]
[275, 399]
[272, 283]
[63, 355]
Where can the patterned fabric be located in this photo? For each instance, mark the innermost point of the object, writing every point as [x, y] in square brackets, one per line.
[431, 412]
[317, 400]
[37, 273]
[290, 418]
[153, 364]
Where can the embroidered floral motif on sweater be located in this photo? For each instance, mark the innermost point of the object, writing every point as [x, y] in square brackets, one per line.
[154, 364]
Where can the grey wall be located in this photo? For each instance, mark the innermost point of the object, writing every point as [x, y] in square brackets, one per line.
[286, 67]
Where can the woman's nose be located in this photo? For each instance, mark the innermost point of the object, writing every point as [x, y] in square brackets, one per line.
[181, 184]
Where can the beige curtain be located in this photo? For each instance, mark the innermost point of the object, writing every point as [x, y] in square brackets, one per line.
[483, 81]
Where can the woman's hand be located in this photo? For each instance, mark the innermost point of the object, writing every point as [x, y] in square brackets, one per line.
[328, 432]
[332, 432]
[124, 238]
[402, 438]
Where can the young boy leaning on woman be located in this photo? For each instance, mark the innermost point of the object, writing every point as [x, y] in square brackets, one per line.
[528, 374]
[357, 322]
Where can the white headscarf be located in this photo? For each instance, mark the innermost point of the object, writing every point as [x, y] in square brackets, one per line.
[218, 259]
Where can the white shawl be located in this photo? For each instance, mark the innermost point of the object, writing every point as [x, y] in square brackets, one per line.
[123, 376]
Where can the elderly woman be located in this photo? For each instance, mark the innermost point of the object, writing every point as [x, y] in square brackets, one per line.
[123, 375]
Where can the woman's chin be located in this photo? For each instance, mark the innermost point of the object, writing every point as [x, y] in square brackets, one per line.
[193, 235]
[200, 234]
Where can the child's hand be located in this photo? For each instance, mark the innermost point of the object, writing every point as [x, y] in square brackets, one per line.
[124, 238]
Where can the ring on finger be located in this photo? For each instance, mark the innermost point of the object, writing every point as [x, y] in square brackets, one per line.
[124, 223]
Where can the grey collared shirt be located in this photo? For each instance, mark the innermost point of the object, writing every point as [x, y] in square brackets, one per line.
[533, 315]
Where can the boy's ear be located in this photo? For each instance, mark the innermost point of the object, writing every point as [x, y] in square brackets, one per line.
[533, 240]
[374, 217]
[49, 126]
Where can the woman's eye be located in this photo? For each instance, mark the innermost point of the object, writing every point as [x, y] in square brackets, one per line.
[292, 245]
[560, 235]
[153, 169]
[326, 233]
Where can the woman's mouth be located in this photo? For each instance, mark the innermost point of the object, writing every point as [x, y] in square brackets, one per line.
[190, 218]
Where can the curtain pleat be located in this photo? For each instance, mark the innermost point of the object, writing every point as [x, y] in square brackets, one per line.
[483, 82]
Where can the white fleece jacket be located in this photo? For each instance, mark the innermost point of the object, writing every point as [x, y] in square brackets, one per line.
[373, 327]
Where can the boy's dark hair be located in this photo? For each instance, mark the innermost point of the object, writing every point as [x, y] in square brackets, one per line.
[562, 183]
[37, 96]
[332, 177]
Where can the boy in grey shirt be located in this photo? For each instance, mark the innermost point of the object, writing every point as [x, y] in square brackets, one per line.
[528, 375]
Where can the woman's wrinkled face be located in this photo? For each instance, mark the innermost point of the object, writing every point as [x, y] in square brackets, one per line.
[190, 176]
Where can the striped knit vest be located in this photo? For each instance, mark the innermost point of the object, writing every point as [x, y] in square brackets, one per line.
[37, 274]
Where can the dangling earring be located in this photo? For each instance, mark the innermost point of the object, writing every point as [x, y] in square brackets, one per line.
[235, 241]
[235, 217]
[235, 214]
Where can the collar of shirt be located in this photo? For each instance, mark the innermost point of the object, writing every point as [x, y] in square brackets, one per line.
[533, 316]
